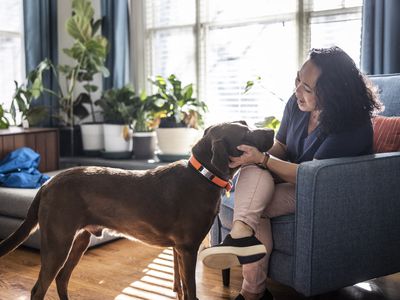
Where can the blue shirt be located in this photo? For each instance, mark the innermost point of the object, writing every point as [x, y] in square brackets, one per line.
[302, 146]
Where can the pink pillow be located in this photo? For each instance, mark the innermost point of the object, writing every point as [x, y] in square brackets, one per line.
[386, 134]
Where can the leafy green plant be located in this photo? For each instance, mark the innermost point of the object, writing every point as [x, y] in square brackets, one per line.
[89, 52]
[269, 122]
[26, 93]
[145, 112]
[119, 105]
[4, 123]
[178, 107]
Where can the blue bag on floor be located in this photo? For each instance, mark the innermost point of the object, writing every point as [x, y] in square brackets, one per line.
[19, 169]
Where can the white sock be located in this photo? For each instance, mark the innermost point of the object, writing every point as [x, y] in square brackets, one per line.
[240, 230]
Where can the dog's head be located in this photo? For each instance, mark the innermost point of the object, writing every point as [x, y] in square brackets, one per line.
[220, 141]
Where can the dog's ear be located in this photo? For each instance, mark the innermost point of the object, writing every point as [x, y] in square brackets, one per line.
[220, 157]
[262, 139]
[206, 130]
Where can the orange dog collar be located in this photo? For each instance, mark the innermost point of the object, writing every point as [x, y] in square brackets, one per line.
[209, 175]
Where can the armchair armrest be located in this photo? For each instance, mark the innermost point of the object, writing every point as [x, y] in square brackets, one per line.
[347, 221]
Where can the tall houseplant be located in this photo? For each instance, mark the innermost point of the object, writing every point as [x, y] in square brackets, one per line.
[180, 117]
[88, 52]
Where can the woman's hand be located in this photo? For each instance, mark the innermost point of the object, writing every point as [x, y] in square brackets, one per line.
[251, 155]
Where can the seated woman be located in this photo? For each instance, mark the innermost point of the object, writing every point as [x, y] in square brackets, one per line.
[328, 116]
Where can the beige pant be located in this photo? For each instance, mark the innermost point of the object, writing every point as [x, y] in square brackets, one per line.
[257, 199]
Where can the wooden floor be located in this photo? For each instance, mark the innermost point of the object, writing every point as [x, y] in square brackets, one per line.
[126, 270]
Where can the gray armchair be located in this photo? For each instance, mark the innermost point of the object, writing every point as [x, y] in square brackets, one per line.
[346, 228]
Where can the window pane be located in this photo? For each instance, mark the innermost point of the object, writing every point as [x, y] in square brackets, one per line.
[228, 10]
[10, 49]
[10, 59]
[236, 55]
[10, 15]
[170, 12]
[174, 53]
[343, 31]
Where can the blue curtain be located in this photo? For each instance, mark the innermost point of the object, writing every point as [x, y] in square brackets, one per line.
[115, 28]
[380, 46]
[40, 37]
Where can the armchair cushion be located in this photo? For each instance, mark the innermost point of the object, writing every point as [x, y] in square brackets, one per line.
[386, 134]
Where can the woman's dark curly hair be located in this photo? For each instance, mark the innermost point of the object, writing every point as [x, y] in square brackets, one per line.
[345, 96]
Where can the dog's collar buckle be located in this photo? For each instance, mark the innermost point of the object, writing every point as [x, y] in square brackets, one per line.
[209, 175]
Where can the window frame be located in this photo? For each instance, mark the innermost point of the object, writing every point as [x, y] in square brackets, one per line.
[141, 37]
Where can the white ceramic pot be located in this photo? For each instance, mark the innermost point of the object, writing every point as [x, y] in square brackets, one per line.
[177, 141]
[117, 138]
[92, 137]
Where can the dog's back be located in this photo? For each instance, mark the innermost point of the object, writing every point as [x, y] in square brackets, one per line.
[159, 206]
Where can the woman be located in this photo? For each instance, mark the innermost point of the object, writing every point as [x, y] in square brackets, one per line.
[328, 116]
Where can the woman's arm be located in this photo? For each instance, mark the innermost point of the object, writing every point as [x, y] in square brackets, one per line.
[251, 155]
[278, 150]
[284, 169]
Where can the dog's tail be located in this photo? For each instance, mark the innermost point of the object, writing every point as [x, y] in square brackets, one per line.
[24, 230]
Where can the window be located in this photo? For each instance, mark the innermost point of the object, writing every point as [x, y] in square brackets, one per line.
[10, 48]
[220, 45]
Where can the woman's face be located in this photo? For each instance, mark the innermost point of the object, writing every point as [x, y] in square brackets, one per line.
[305, 86]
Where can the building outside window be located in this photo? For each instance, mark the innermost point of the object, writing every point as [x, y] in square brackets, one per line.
[221, 44]
[11, 49]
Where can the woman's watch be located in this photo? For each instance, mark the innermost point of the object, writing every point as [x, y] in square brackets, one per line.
[265, 161]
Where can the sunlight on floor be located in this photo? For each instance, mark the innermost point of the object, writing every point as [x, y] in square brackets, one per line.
[156, 284]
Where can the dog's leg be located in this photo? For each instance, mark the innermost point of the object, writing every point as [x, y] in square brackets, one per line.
[177, 277]
[55, 247]
[79, 247]
[187, 263]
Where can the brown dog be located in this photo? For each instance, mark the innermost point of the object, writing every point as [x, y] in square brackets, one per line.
[170, 206]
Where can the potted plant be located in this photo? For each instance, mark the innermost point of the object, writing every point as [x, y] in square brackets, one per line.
[180, 117]
[118, 106]
[88, 51]
[145, 121]
[26, 93]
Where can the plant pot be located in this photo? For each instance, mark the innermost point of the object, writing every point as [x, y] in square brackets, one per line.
[117, 141]
[92, 138]
[70, 141]
[176, 141]
[144, 144]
